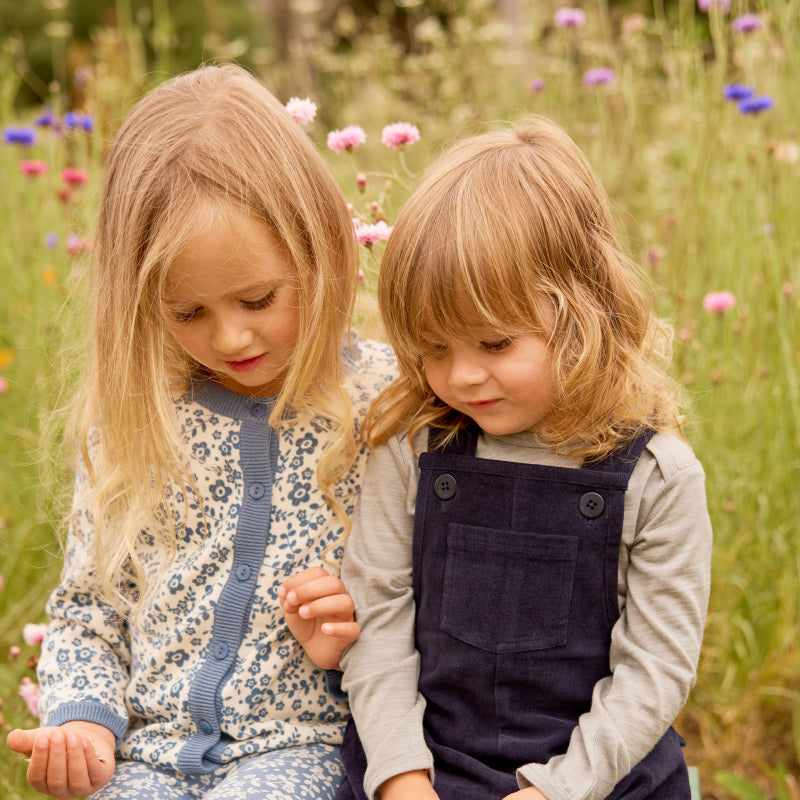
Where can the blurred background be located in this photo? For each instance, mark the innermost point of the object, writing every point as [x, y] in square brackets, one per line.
[688, 111]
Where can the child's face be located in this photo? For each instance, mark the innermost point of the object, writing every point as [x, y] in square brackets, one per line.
[504, 385]
[233, 304]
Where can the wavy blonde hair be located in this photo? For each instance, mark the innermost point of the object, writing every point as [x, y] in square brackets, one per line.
[511, 231]
[214, 139]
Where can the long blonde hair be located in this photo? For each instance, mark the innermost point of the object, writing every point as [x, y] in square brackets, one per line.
[506, 229]
[212, 138]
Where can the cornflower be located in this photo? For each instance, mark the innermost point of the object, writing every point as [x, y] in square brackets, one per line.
[399, 134]
[346, 139]
[569, 18]
[74, 120]
[737, 91]
[301, 111]
[755, 105]
[23, 136]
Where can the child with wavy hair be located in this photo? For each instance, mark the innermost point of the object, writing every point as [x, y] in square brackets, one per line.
[217, 426]
[531, 555]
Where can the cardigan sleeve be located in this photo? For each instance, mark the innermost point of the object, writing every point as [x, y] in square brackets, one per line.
[84, 665]
[655, 644]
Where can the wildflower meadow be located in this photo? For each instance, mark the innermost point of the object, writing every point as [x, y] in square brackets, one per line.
[688, 111]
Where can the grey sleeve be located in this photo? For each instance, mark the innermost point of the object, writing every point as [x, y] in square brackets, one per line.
[381, 669]
[655, 646]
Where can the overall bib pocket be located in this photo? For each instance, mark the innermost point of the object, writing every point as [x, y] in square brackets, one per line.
[506, 591]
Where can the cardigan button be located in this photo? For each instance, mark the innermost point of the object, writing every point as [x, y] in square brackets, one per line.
[204, 726]
[221, 651]
[258, 410]
[256, 490]
[591, 505]
[444, 487]
[243, 572]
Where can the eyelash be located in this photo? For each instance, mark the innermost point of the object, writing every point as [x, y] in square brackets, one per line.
[254, 305]
[439, 350]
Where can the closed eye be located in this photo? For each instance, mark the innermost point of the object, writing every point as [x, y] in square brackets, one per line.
[496, 347]
[186, 316]
[262, 302]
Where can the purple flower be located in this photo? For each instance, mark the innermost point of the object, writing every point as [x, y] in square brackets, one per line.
[599, 76]
[747, 23]
[737, 91]
[399, 134]
[46, 119]
[536, 85]
[569, 18]
[754, 105]
[51, 240]
[23, 136]
[724, 6]
[74, 120]
[346, 139]
[301, 111]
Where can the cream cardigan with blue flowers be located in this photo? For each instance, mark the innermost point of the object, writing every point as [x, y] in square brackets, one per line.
[212, 672]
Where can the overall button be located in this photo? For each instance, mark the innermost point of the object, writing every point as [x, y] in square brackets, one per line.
[243, 572]
[256, 490]
[204, 726]
[258, 410]
[221, 651]
[591, 505]
[444, 487]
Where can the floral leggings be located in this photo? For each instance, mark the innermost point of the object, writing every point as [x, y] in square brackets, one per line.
[312, 772]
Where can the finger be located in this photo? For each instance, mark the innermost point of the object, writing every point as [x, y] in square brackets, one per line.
[340, 607]
[306, 575]
[37, 768]
[346, 631]
[21, 741]
[328, 585]
[57, 774]
[77, 768]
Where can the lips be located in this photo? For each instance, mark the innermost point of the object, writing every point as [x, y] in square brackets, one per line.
[246, 365]
[482, 405]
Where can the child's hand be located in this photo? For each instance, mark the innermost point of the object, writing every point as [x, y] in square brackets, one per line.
[73, 760]
[415, 785]
[531, 793]
[319, 612]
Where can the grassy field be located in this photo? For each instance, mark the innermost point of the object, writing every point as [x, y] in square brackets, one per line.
[707, 195]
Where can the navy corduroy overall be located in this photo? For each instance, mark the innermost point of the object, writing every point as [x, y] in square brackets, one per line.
[515, 582]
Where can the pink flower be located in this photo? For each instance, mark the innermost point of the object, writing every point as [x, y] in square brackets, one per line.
[77, 245]
[399, 134]
[74, 176]
[569, 18]
[13, 652]
[34, 634]
[361, 181]
[746, 23]
[346, 139]
[724, 6]
[599, 76]
[301, 111]
[369, 234]
[719, 301]
[33, 167]
[29, 692]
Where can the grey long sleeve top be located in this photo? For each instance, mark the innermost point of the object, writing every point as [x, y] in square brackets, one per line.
[663, 589]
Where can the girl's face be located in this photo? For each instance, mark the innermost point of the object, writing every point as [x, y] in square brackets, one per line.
[504, 385]
[233, 304]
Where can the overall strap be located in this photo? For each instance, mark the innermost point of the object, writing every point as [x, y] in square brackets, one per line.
[624, 457]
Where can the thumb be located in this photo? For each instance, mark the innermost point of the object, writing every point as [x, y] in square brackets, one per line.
[21, 741]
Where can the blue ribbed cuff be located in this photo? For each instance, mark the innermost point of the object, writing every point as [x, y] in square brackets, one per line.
[89, 712]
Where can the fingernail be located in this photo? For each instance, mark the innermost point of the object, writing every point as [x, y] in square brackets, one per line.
[327, 628]
[291, 597]
[281, 591]
[304, 611]
[72, 740]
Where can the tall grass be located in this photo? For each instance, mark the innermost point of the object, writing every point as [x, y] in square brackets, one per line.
[707, 199]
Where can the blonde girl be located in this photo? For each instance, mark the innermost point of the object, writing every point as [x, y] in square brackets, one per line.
[217, 430]
[530, 559]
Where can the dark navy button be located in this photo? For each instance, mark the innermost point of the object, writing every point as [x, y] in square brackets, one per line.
[221, 651]
[258, 410]
[256, 490]
[243, 572]
[591, 505]
[444, 487]
[204, 726]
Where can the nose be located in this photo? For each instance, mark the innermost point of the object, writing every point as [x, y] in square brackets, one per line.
[465, 370]
[230, 335]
